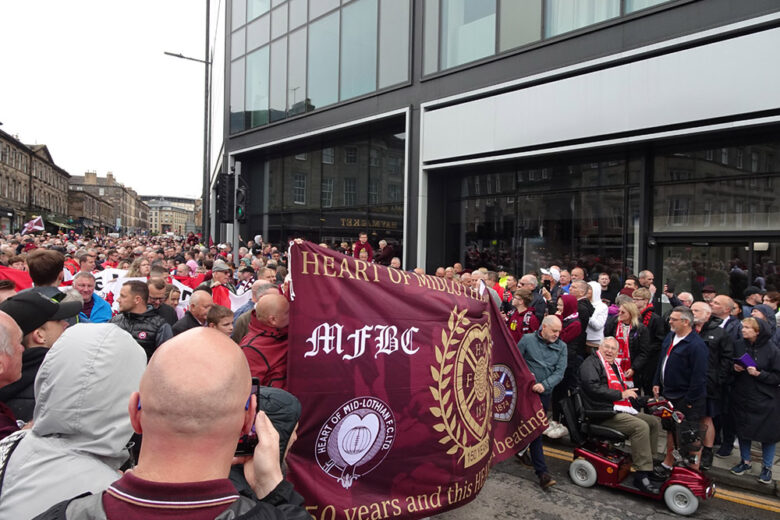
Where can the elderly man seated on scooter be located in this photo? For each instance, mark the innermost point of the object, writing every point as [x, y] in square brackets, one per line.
[603, 388]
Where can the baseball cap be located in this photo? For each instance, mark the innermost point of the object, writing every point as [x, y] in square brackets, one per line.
[708, 288]
[31, 309]
[752, 290]
[220, 265]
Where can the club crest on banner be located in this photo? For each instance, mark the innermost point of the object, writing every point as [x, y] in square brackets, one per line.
[355, 439]
[463, 391]
[504, 393]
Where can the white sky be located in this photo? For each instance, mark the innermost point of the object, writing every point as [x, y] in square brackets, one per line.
[88, 78]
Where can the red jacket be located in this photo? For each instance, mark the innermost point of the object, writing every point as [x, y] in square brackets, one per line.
[522, 323]
[265, 349]
[367, 247]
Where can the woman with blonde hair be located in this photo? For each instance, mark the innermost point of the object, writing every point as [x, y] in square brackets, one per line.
[139, 268]
[633, 340]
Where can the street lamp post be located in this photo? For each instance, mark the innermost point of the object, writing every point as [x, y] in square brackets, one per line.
[206, 193]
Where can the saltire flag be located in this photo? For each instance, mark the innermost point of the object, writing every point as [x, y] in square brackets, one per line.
[411, 389]
[35, 224]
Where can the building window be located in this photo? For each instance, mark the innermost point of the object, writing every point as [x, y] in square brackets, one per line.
[373, 191]
[468, 31]
[328, 155]
[754, 162]
[301, 156]
[707, 212]
[350, 191]
[350, 154]
[394, 192]
[739, 154]
[299, 188]
[724, 155]
[373, 157]
[326, 195]
[678, 212]
[564, 15]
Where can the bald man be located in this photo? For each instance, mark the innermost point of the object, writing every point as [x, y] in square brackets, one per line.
[265, 344]
[11, 350]
[193, 404]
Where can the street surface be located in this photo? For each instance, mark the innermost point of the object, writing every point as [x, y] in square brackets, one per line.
[512, 492]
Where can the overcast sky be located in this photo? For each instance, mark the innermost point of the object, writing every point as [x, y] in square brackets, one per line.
[88, 78]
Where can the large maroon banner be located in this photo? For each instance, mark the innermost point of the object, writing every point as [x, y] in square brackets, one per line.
[411, 389]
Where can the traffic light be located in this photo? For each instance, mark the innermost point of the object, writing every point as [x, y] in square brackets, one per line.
[225, 198]
[242, 199]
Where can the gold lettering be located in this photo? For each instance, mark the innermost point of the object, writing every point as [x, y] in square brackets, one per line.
[376, 273]
[307, 262]
[360, 269]
[327, 262]
[345, 267]
[392, 272]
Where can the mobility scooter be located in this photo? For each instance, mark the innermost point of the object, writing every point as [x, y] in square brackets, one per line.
[597, 459]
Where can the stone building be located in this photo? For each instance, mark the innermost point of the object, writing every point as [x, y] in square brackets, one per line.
[130, 214]
[90, 214]
[31, 184]
[178, 215]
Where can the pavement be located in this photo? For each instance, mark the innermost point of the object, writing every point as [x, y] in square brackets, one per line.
[719, 473]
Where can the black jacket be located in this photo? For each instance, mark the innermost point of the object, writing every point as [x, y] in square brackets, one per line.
[149, 329]
[187, 322]
[20, 396]
[755, 400]
[638, 345]
[594, 385]
[656, 332]
[168, 313]
[721, 354]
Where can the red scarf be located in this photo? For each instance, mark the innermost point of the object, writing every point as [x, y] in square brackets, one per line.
[623, 359]
[647, 314]
[616, 383]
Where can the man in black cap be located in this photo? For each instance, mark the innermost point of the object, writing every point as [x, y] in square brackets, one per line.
[42, 321]
[753, 296]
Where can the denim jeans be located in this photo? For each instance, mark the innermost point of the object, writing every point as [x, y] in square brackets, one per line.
[767, 451]
[535, 449]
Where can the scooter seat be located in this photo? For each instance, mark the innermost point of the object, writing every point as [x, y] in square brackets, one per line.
[603, 432]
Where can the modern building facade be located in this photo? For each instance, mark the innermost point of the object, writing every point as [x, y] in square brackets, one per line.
[612, 134]
[31, 184]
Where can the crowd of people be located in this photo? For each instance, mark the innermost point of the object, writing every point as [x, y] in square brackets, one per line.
[176, 336]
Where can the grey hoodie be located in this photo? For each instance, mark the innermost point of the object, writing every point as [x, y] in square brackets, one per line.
[80, 424]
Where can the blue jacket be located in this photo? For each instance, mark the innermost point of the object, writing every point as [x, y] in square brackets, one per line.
[101, 311]
[546, 361]
[686, 371]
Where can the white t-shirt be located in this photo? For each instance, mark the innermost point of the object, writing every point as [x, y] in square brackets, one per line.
[675, 341]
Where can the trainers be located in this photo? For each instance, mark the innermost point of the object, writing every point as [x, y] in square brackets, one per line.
[741, 468]
[551, 428]
[546, 480]
[766, 475]
[723, 452]
[558, 431]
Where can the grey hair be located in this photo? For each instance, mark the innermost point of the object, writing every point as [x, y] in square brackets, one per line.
[84, 274]
[611, 339]
[685, 313]
[6, 347]
[529, 278]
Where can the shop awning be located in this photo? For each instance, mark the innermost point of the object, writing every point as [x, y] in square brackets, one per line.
[59, 224]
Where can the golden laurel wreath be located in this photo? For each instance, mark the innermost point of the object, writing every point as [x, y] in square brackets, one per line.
[454, 431]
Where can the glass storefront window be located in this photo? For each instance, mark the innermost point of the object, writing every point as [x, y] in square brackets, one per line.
[468, 31]
[564, 15]
[324, 61]
[323, 191]
[717, 206]
[743, 160]
[358, 48]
